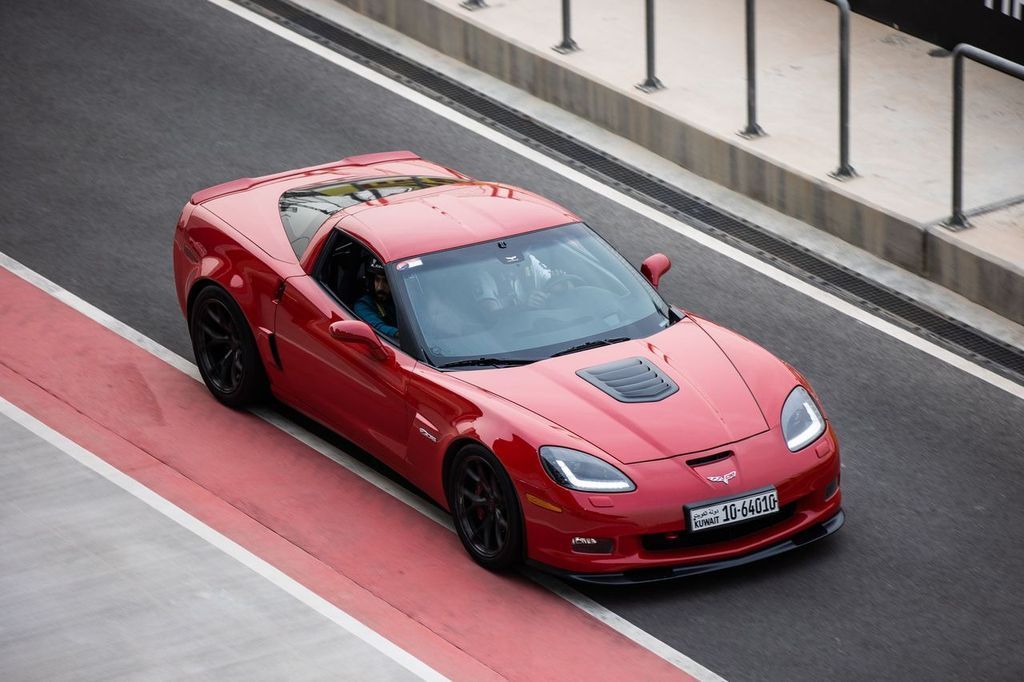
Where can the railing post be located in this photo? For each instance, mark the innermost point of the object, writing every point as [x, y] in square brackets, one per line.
[473, 4]
[651, 84]
[958, 219]
[845, 170]
[568, 44]
[752, 129]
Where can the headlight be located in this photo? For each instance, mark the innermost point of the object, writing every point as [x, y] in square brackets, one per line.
[580, 471]
[802, 423]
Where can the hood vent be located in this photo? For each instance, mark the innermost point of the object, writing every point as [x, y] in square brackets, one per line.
[633, 380]
[701, 461]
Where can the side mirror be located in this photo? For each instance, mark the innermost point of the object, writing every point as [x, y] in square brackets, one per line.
[358, 332]
[654, 268]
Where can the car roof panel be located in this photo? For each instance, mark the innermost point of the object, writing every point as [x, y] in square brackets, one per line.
[441, 218]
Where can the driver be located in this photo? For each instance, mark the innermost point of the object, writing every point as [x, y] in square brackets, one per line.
[521, 280]
[376, 307]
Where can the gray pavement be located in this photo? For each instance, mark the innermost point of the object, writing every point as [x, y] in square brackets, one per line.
[114, 113]
[97, 585]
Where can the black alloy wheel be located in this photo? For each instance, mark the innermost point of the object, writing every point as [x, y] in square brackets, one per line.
[486, 509]
[225, 350]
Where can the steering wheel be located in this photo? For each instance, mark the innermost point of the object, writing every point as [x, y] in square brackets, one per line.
[564, 278]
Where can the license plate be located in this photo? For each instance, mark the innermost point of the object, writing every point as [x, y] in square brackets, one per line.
[733, 510]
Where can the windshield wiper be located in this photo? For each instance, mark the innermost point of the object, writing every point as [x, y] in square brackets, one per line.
[591, 344]
[486, 362]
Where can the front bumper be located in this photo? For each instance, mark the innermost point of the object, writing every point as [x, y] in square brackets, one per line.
[662, 573]
[647, 529]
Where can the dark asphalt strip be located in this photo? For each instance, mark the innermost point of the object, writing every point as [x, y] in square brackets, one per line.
[112, 113]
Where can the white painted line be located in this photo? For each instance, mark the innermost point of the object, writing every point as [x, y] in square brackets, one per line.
[226, 545]
[607, 192]
[606, 616]
[623, 626]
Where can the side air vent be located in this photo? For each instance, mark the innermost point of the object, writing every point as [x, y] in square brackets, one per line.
[633, 380]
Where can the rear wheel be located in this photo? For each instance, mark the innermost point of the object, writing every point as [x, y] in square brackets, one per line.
[225, 350]
[485, 508]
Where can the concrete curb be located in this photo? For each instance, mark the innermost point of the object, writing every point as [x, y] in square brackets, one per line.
[921, 249]
[982, 277]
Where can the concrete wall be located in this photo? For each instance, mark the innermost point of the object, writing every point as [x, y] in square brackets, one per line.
[977, 276]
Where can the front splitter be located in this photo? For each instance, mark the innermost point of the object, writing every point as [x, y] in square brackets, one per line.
[661, 574]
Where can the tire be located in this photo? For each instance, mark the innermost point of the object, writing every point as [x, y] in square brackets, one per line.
[486, 509]
[225, 350]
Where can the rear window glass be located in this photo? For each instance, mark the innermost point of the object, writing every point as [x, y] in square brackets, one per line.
[304, 210]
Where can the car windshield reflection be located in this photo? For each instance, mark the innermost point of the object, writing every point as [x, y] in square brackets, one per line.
[525, 298]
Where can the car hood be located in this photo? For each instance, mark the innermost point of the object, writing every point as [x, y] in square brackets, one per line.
[712, 406]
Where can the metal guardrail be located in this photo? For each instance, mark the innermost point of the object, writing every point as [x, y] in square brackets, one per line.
[845, 171]
[754, 130]
[652, 83]
[958, 220]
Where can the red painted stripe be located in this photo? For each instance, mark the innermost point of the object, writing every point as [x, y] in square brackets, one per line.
[369, 554]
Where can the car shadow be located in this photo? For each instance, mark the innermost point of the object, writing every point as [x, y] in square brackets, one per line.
[803, 562]
[349, 448]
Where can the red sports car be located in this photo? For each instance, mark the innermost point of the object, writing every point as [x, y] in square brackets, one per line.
[488, 346]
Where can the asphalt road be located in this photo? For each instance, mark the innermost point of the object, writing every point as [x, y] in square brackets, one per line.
[112, 113]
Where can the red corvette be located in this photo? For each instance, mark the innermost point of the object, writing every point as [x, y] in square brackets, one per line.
[496, 352]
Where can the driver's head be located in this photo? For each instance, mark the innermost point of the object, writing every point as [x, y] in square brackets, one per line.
[376, 280]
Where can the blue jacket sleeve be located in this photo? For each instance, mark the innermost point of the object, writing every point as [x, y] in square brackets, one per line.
[368, 312]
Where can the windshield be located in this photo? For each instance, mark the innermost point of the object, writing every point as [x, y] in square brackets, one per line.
[525, 298]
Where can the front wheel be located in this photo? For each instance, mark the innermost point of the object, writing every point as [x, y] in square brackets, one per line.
[485, 508]
[225, 350]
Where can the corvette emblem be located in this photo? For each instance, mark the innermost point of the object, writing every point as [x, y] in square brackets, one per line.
[723, 479]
